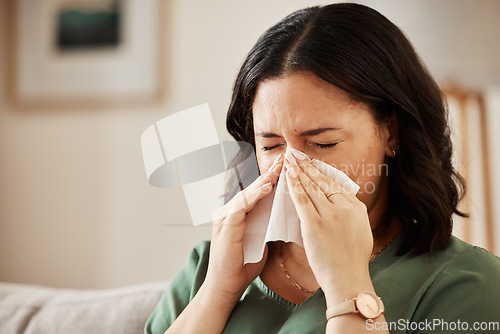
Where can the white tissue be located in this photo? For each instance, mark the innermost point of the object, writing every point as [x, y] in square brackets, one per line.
[275, 218]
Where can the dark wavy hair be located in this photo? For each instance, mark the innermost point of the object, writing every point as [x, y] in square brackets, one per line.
[360, 51]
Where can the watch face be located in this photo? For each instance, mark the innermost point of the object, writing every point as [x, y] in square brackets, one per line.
[368, 305]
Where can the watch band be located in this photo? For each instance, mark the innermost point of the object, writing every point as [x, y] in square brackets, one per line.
[366, 303]
[340, 309]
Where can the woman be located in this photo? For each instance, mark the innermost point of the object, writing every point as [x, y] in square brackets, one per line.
[343, 85]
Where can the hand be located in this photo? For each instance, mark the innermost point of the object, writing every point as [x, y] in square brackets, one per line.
[226, 273]
[336, 231]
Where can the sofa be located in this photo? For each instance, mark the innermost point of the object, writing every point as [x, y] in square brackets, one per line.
[31, 309]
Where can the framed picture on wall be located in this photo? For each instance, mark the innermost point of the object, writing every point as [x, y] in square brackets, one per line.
[84, 52]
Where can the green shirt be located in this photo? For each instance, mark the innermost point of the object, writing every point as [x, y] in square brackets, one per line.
[454, 291]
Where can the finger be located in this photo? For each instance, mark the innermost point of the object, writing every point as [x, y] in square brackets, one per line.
[241, 206]
[249, 198]
[271, 175]
[326, 183]
[303, 204]
[246, 197]
[313, 191]
[233, 227]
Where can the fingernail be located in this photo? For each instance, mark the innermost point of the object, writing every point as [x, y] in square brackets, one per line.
[291, 160]
[266, 186]
[292, 173]
[299, 155]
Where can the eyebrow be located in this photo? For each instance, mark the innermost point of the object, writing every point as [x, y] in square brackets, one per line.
[308, 133]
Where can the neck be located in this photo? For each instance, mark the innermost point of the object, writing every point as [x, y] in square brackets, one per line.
[383, 236]
[296, 265]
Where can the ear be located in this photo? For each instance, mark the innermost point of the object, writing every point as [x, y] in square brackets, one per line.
[392, 135]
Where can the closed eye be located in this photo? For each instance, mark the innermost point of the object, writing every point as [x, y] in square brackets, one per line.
[325, 145]
[268, 148]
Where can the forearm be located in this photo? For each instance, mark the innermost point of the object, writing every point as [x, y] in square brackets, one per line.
[206, 313]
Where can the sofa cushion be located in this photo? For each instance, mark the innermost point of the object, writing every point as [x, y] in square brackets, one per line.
[30, 309]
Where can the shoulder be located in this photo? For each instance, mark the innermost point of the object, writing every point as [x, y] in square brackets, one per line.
[472, 267]
[469, 260]
[458, 257]
[457, 283]
[464, 287]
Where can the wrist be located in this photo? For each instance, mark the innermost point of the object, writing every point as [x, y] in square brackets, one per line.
[218, 297]
[209, 307]
[346, 288]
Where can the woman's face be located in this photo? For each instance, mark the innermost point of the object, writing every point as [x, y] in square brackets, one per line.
[304, 112]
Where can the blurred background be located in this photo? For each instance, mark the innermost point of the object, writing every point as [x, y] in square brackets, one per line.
[76, 209]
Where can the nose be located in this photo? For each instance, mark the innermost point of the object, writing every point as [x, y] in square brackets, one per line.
[302, 148]
[300, 154]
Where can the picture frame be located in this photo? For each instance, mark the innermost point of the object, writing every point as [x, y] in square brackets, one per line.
[125, 69]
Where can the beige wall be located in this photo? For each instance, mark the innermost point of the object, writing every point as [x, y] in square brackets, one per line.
[75, 206]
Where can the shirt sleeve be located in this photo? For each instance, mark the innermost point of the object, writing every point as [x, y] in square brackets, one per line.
[181, 290]
[464, 298]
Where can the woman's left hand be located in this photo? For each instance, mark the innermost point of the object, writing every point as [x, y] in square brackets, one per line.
[336, 230]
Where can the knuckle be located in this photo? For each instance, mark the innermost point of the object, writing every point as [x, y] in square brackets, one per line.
[335, 215]
[315, 187]
[324, 185]
[318, 221]
[302, 198]
[246, 199]
[350, 206]
[234, 208]
[235, 217]
[314, 172]
[234, 199]
[360, 206]
[218, 214]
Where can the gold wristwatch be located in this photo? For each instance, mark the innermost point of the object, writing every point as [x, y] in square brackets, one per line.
[367, 303]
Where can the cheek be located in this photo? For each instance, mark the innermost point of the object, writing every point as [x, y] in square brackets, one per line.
[265, 161]
[371, 173]
[364, 164]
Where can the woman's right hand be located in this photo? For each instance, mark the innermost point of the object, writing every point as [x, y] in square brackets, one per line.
[227, 275]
